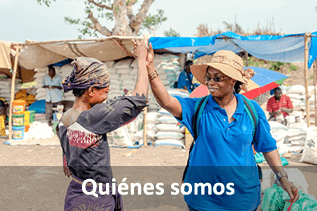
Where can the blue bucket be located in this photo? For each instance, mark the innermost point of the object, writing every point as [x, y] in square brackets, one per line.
[18, 133]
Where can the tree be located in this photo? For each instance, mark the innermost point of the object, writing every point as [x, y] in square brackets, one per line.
[171, 33]
[152, 22]
[119, 11]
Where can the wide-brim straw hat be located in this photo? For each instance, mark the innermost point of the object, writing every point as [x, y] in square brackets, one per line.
[228, 63]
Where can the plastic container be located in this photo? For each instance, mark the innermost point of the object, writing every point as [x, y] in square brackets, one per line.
[2, 127]
[32, 115]
[18, 106]
[26, 118]
[54, 127]
[27, 127]
[18, 133]
[18, 120]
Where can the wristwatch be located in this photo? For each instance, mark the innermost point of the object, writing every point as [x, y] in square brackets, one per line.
[281, 174]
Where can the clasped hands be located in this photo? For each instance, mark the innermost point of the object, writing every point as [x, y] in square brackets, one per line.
[144, 53]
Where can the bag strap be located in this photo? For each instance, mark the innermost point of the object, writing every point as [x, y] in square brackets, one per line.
[253, 115]
[198, 110]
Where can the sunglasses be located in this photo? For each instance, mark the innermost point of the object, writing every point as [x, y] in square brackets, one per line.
[215, 79]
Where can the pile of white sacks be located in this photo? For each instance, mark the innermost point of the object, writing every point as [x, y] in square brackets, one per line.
[5, 88]
[296, 137]
[297, 95]
[162, 129]
[123, 75]
[39, 130]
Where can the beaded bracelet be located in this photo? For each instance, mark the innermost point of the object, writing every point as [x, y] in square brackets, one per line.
[153, 75]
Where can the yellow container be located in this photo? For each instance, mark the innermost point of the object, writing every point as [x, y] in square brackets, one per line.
[26, 118]
[2, 127]
[18, 106]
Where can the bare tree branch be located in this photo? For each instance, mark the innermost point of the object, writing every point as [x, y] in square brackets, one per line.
[98, 27]
[130, 3]
[137, 21]
[100, 5]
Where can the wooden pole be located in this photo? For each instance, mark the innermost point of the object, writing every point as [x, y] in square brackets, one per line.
[315, 92]
[15, 67]
[307, 35]
[246, 56]
[146, 40]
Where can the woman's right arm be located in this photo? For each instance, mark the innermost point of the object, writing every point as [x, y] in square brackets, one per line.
[166, 101]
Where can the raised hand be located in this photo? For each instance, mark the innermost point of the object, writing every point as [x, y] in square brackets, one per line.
[140, 49]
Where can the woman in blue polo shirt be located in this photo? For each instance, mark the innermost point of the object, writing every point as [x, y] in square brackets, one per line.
[222, 155]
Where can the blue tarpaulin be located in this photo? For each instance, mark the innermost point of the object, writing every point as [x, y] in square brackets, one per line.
[284, 48]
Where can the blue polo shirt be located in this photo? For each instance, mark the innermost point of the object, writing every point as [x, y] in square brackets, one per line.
[184, 81]
[223, 154]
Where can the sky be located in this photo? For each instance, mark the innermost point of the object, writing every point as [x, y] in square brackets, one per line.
[26, 19]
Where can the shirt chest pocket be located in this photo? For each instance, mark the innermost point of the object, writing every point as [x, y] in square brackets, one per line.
[243, 133]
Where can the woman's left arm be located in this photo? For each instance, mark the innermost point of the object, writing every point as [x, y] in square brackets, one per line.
[274, 160]
[265, 143]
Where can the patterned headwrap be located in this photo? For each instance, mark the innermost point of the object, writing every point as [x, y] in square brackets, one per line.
[87, 72]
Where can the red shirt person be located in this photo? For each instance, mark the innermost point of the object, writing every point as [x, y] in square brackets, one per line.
[279, 104]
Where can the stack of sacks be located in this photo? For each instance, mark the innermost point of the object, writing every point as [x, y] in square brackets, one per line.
[297, 95]
[122, 76]
[151, 129]
[126, 135]
[279, 132]
[167, 67]
[295, 117]
[65, 71]
[38, 78]
[5, 88]
[310, 148]
[39, 130]
[297, 136]
[153, 104]
[121, 137]
[178, 93]
[169, 133]
[135, 126]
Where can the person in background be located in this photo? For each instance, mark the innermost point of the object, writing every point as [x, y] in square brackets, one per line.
[186, 77]
[4, 105]
[54, 92]
[279, 104]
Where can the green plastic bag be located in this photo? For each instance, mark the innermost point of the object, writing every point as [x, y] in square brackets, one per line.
[305, 202]
[284, 161]
[259, 158]
[274, 199]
